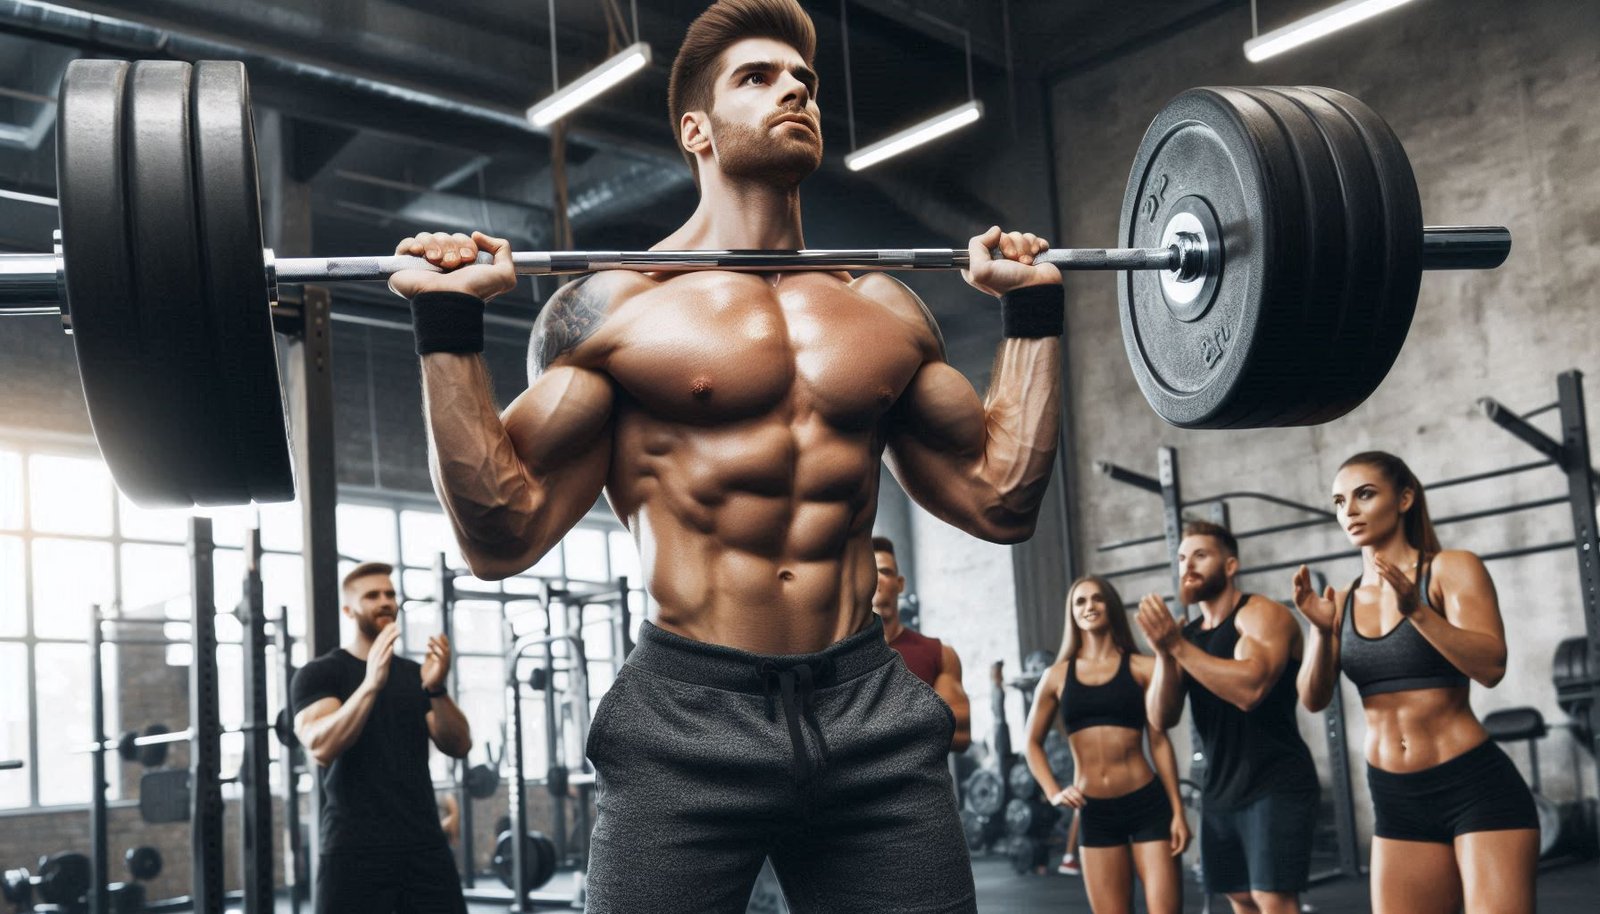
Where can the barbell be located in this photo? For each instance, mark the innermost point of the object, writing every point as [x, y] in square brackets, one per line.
[1272, 251]
[150, 748]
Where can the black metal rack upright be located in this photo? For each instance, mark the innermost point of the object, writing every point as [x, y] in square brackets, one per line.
[1573, 457]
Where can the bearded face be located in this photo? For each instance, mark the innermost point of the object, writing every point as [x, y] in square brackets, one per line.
[1198, 587]
[782, 149]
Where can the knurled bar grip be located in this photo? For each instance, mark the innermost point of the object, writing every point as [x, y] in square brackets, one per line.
[1460, 247]
[545, 263]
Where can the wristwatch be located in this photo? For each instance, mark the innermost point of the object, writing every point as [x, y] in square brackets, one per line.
[440, 692]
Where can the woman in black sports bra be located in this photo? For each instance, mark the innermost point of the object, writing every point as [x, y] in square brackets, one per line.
[1131, 819]
[1455, 822]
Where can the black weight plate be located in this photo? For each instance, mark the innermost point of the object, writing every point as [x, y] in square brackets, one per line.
[986, 793]
[1344, 375]
[1397, 303]
[143, 862]
[187, 408]
[283, 729]
[126, 750]
[64, 878]
[229, 207]
[481, 781]
[154, 755]
[539, 860]
[1301, 358]
[1222, 150]
[98, 250]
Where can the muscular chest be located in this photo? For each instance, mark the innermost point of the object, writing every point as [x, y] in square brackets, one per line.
[719, 347]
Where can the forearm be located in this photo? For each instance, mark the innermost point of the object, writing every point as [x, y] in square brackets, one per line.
[1166, 764]
[1481, 657]
[1241, 683]
[1022, 422]
[963, 714]
[328, 737]
[1164, 699]
[1319, 671]
[485, 489]
[1039, 767]
[448, 728]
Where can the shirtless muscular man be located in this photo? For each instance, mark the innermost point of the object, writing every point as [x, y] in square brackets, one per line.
[735, 423]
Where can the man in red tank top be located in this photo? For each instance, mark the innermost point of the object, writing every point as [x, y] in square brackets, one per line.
[929, 659]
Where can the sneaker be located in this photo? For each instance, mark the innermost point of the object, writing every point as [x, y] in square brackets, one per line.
[1069, 866]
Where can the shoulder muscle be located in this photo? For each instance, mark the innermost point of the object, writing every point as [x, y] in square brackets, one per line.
[571, 317]
[898, 298]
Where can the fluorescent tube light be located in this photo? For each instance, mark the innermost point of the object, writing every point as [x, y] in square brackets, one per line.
[568, 98]
[1314, 26]
[915, 135]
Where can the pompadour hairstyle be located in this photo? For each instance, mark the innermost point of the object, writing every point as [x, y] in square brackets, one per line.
[694, 70]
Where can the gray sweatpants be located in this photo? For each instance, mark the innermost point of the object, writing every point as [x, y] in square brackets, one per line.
[833, 764]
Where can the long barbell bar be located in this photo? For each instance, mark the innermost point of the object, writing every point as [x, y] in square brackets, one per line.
[157, 739]
[31, 283]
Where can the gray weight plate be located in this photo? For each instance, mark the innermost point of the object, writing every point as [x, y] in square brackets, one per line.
[1021, 781]
[229, 207]
[975, 829]
[108, 334]
[985, 792]
[187, 410]
[1059, 753]
[1212, 365]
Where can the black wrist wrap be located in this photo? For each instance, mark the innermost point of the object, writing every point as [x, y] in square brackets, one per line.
[447, 322]
[1033, 311]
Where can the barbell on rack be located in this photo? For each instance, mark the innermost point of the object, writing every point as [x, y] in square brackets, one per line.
[150, 748]
[1272, 253]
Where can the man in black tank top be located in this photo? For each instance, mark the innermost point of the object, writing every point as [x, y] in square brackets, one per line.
[1237, 663]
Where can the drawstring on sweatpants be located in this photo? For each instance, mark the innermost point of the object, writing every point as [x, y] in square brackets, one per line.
[796, 688]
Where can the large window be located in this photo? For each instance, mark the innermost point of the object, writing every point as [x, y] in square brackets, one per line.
[68, 541]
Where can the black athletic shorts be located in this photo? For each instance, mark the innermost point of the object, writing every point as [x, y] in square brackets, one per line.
[833, 764]
[1135, 817]
[382, 882]
[1478, 790]
[1263, 845]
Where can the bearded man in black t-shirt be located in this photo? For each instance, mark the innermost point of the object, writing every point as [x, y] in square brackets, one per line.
[366, 717]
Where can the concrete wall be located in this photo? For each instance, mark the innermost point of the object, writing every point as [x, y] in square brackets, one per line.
[1495, 102]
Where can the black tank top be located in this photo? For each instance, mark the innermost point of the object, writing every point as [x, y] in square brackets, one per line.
[1248, 754]
[1399, 660]
[1117, 702]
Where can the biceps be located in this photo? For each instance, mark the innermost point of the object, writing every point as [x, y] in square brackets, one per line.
[560, 418]
[939, 414]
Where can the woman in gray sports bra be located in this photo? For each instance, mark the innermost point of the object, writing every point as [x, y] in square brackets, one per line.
[1454, 821]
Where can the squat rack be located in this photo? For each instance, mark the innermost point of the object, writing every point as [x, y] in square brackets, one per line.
[204, 736]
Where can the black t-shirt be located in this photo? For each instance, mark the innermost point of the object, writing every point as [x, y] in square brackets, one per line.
[1248, 753]
[377, 795]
